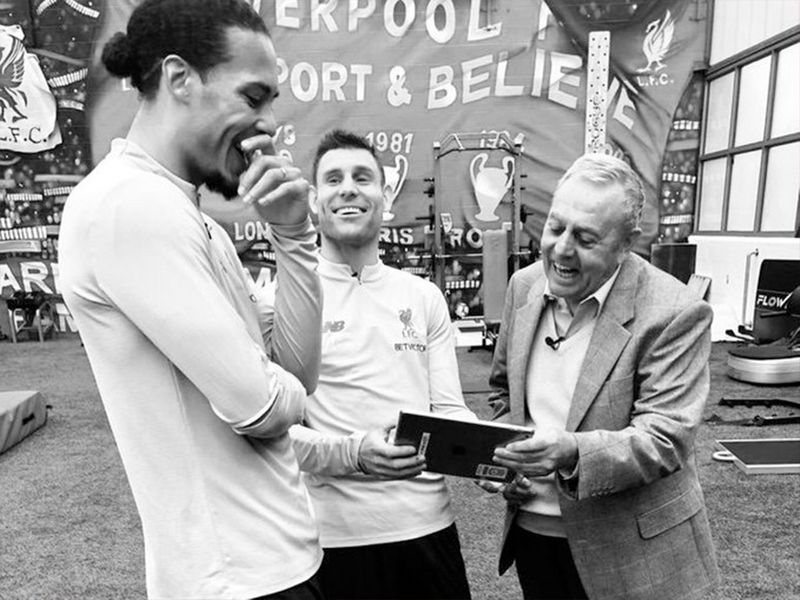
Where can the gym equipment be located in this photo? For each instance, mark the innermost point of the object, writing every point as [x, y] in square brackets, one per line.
[772, 319]
[495, 280]
[776, 312]
[21, 413]
[757, 420]
[490, 185]
[777, 362]
[35, 313]
[767, 365]
[476, 226]
[771, 455]
[749, 402]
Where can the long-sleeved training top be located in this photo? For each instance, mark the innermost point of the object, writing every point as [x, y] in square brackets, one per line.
[387, 346]
[181, 344]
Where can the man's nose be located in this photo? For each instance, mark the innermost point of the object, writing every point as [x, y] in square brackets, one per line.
[266, 121]
[347, 187]
[564, 245]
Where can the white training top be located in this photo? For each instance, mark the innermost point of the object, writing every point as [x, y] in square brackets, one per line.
[387, 345]
[178, 338]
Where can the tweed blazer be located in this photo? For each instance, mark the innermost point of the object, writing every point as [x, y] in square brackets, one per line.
[634, 512]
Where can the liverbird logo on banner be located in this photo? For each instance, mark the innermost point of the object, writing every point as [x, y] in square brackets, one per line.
[657, 40]
[27, 107]
[12, 68]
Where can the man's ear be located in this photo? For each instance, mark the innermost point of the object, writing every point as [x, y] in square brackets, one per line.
[178, 77]
[631, 238]
[312, 200]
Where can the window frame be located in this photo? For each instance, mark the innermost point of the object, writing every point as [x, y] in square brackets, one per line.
[734, 64]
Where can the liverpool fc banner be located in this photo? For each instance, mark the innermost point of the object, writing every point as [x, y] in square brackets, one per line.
[506, 79]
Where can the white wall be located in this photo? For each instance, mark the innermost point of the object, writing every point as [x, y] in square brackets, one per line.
[739, 24]
[724, 259]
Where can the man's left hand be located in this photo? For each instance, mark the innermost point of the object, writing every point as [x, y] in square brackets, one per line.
[549, 449]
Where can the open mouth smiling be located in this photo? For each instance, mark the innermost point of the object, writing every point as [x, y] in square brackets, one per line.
[347, 211]
[564, 272]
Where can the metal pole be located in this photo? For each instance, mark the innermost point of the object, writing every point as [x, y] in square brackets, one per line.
[437, 250]
[596, 91]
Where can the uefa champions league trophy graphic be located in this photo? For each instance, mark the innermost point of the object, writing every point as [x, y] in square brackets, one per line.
[490, 184]
[395, 178]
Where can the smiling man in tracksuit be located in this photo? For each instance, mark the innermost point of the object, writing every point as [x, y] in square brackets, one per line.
[387, 345]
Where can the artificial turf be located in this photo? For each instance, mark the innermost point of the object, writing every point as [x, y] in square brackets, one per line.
[69, 528]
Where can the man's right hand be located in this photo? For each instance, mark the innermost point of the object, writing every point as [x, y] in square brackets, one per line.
[515, 492]
[518, 491]
[274, 186]
[378, 457]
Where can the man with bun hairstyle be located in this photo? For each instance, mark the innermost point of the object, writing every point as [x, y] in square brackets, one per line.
[200, 372]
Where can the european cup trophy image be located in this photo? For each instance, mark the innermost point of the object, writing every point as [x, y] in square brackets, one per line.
[490, 184]
[395, 178]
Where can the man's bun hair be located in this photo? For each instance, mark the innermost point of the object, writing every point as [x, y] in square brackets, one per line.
[195, 30]
[118, 56]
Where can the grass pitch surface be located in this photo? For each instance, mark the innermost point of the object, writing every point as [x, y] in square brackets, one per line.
[69, 528]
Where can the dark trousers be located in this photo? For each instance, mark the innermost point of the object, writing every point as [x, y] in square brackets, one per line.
[424, 568]
[308, 590]
[545, 567]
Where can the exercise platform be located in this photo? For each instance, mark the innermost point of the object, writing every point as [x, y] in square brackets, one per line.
[21, 413]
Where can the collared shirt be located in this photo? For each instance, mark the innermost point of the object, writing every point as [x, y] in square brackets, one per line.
[553, 372]
[566, 322]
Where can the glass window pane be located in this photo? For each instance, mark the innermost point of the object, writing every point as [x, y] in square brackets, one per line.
[718, 121]
[783, 189]
[786, 118]
[752, 106]
[741, 24]
[744, 190]
[713, 187]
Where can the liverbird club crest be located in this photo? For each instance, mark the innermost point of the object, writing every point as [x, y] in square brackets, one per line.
[406, 316]
[657, 40]
[27, 107]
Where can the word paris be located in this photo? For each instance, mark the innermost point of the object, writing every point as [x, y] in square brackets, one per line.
[398, 16]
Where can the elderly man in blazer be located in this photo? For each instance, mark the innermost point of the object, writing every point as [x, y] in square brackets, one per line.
[607, 358]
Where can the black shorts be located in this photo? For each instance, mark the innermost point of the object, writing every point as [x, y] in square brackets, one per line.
[308, 590]
[422, 568]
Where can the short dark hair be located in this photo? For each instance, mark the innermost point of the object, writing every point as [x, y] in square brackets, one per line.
[339, 138]
[195, 30]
